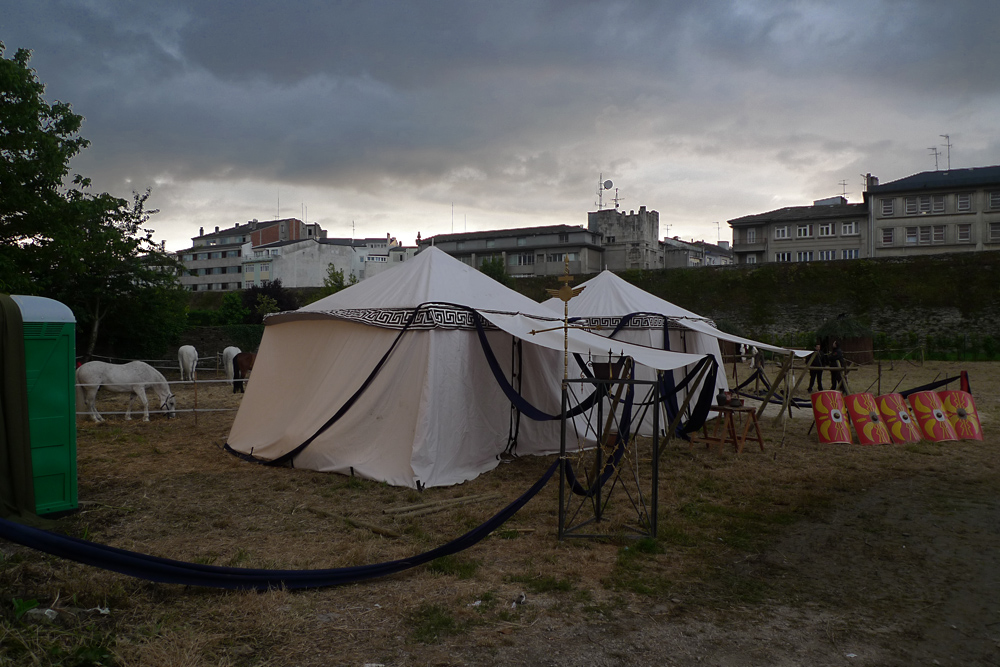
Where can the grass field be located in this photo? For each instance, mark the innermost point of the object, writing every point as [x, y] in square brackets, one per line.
[793, 555]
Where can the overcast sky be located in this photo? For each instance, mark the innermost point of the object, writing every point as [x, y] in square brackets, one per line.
[406, 116]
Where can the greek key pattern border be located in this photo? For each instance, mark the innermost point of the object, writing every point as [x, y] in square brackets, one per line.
[428, 317]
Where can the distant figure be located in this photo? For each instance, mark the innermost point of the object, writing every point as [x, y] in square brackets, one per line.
[187, 357]
[757, 361]
[816, 369]
[836, 362]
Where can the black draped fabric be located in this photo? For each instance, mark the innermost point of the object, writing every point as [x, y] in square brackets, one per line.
[165, 570]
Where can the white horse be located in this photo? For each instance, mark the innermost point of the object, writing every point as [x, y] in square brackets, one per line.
[133, 378]
[187, 357]
[227, 360]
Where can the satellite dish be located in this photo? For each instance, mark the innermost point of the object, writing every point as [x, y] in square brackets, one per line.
[608, 185]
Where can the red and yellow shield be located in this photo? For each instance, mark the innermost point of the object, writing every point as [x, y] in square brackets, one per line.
[931, 417]
[831, 423]
[897, 418]
[961, 412]
[867, 422]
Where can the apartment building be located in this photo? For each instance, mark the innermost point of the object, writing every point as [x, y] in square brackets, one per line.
[529, 251]
[830, 229]
[954, 210]
[215, 260]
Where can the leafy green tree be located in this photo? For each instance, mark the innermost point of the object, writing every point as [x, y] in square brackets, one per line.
[283, 299]
[109, 263]
[335, 281]
[495, 269]
[232, 310]
[37, 141]
[265, 305]
[88, 251]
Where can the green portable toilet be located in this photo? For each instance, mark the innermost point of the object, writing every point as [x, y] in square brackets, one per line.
[50, 361]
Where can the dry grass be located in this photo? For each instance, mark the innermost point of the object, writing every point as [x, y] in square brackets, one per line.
[166, 488]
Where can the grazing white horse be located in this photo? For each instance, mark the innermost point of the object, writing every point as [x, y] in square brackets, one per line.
[187, 357]
[133, 378]
[227, 360]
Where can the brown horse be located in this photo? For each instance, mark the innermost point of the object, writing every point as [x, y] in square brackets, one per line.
[242, 365]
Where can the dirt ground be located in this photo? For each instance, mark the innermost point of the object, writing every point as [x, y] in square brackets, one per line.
[801, 554]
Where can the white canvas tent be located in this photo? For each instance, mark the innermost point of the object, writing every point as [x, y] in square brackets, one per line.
[433, 414]
[607, 299]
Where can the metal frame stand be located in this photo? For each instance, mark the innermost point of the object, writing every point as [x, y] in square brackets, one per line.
[578, 512]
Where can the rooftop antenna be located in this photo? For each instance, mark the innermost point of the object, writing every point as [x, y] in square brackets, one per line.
[843, 188]
[947, 142]
[718, 233]
[453, 217]
[277, 195]
[935, 152]
[602, 185]
[617, 198]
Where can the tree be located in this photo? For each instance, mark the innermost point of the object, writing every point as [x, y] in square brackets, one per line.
[107, 266]
[91, 252]
[232, 310]
[37, 141]
[495, 269]
[283, 300]
[335, 281]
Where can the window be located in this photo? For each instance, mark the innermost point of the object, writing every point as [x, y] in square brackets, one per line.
[937, 204]
[964, 202]
[887, 235]
[216, 255]
[849, 228]
[521, 259]
[963, 233]
[911, 206]
[887, 207]
[911, 236]
[782, 256]
[995, 199]
[564, 238]
[522, 241]
[826, 255]
[995, 232]
[850, 254]
[925, 235]
[188, 258]
[937, 234]
[804, 256]
[609, 239]
[804, 231]
[826, 229]
[232, 253]
[265, 267]
[781, 233]
[554, 257]
[752, 235]
[491, 243]
[751, 259]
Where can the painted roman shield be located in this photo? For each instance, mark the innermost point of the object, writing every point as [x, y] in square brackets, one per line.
[867, 422]
[831, 422]
[961, 412]
[931, 417]
[897, 418]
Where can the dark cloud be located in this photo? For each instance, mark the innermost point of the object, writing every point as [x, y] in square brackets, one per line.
[517, 105]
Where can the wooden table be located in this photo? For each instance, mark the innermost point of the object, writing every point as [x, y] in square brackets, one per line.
[725, 430]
